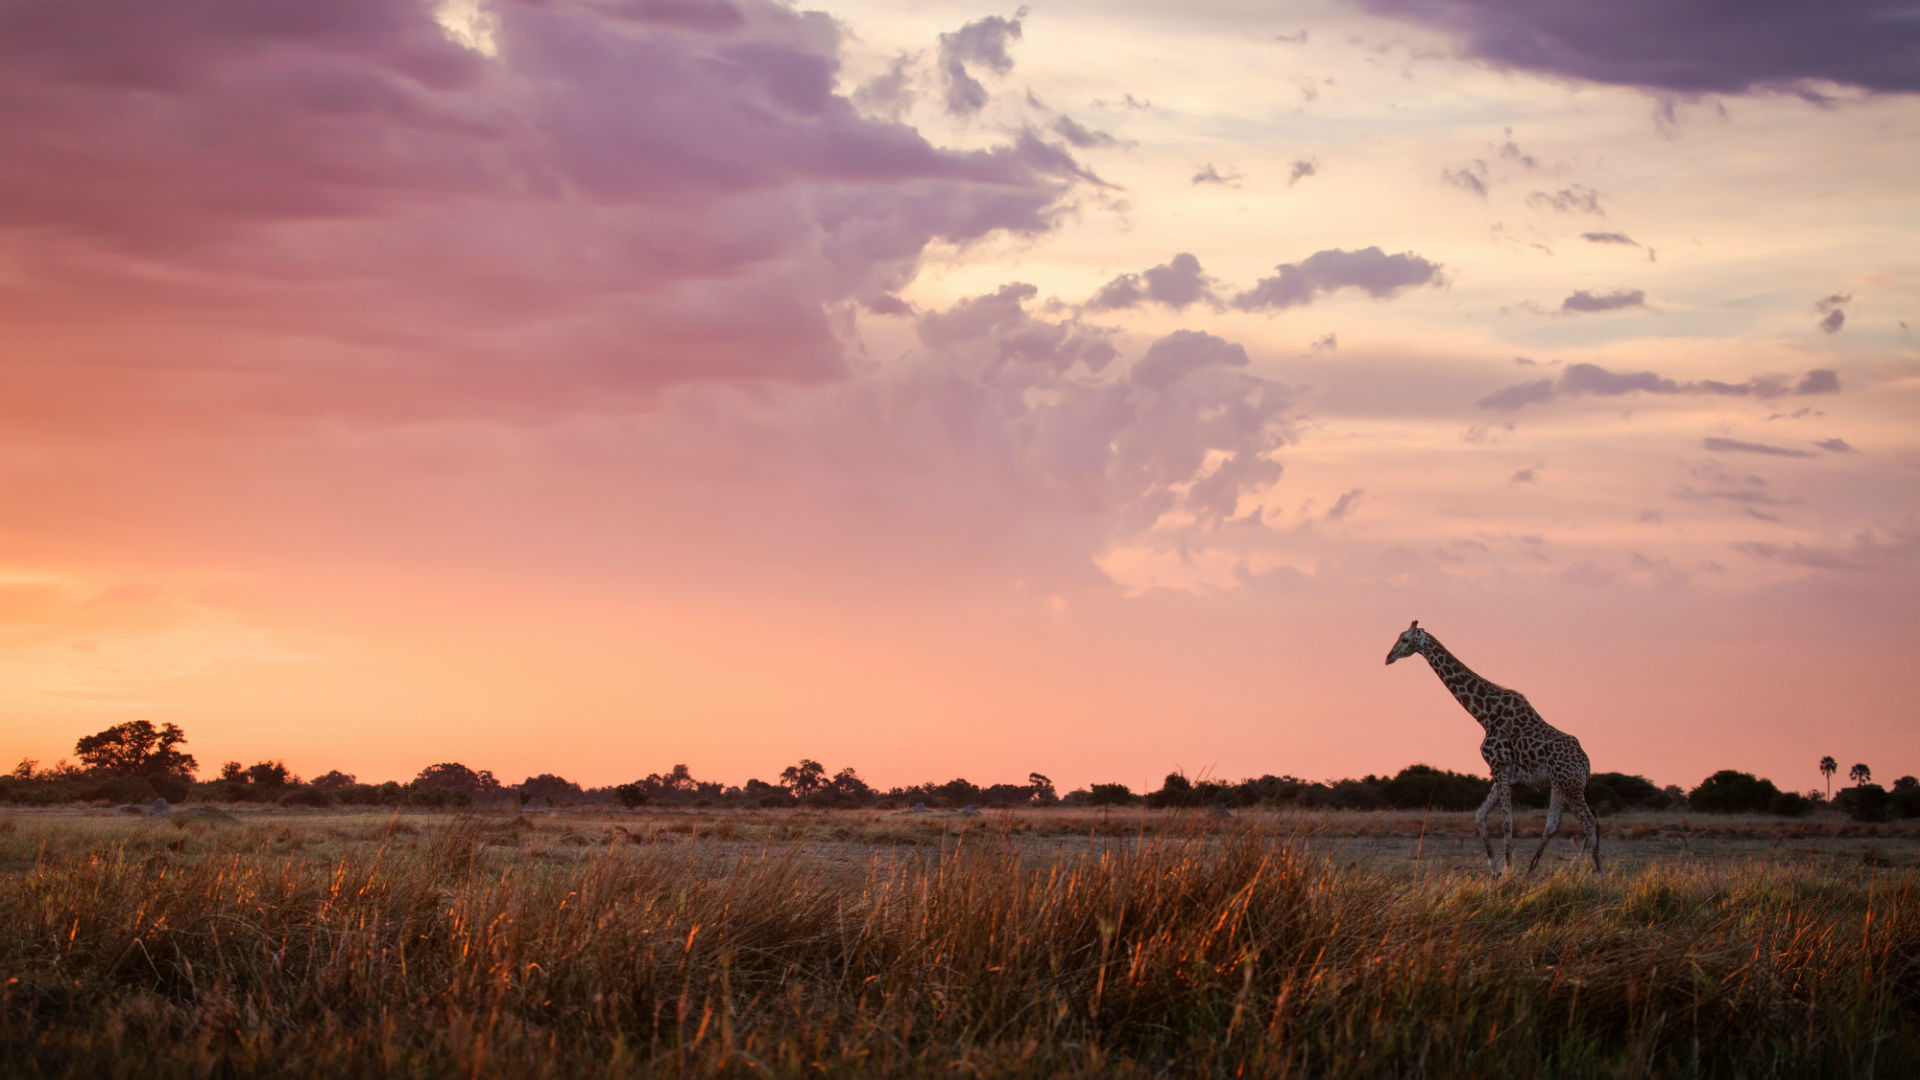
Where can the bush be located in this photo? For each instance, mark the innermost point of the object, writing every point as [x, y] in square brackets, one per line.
[1111, 795]
[1731, 792]
[1790, 804]
[1905, 802]
[1633, 792]
[1418, 787]
[121, 789]
[1864, 802]
[1176, 790]
[306, 796]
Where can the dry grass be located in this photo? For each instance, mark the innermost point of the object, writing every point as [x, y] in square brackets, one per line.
[887, 945]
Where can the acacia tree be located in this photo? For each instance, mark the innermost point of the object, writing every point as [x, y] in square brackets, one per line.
[1860, 774]
[1828, 767]
[137, 748]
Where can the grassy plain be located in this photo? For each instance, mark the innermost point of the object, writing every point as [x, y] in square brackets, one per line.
[848, 943]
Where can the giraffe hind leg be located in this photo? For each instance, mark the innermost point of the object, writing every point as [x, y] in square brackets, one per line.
[1480, 822]
[1554, 802]
[1506, 814]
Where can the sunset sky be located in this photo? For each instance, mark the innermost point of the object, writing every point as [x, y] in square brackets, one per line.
[1095, 388]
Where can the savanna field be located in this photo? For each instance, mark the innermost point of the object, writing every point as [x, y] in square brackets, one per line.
[213, 942]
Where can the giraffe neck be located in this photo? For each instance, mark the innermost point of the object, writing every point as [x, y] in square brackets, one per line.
[1458, 678]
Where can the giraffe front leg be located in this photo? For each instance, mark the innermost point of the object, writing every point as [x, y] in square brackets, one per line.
[1590, 829]
[1554, 802]
[1480, 822]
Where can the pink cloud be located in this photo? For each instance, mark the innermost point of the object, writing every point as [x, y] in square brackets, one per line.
[626, 196]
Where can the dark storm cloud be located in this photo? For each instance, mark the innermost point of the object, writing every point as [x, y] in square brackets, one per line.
[1369, 269]
[1688, 47]
[1594, 380]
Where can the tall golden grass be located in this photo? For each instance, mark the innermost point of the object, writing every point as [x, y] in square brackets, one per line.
[357, 946]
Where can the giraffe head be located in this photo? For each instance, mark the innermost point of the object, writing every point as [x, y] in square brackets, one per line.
[1414, 640]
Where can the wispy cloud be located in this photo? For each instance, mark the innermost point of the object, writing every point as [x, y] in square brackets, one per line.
[1210, 175]
[1735, 446]
[1592, 379]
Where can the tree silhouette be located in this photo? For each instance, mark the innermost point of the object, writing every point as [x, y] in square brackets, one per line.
[333, 780]
[137, 748]
[803, 778]
[1859, 774]
[1828, 767]
[453, 776]
[1043, 792]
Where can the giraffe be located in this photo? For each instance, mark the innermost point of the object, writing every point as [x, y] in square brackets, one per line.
[1520, 748]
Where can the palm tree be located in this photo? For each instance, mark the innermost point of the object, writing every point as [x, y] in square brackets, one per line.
[1860, 774]
[1828, 767]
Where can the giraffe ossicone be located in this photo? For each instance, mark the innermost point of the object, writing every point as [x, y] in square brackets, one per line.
[1519, 747]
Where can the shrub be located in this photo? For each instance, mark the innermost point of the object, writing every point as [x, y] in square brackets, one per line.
[306, 796]
[1111, 795]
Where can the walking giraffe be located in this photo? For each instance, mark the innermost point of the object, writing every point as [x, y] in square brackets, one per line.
[1520, 748]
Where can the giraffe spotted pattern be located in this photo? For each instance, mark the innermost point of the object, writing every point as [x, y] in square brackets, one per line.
[1519, 747]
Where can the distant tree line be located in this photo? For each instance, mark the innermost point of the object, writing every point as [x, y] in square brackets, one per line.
[137, 762]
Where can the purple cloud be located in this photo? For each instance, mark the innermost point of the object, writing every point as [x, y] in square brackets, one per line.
[1345, 504]
[1578, 199]
[1370, 270]
[1519, 395]
[1080, 135]
[981, 43]
[1836, 446]
[1182, 351]
[1301, 170]
[1178, 283]
[1584, 301]
[640, 193]
[1831, 306]
[1687, 48]
[1609, 238]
